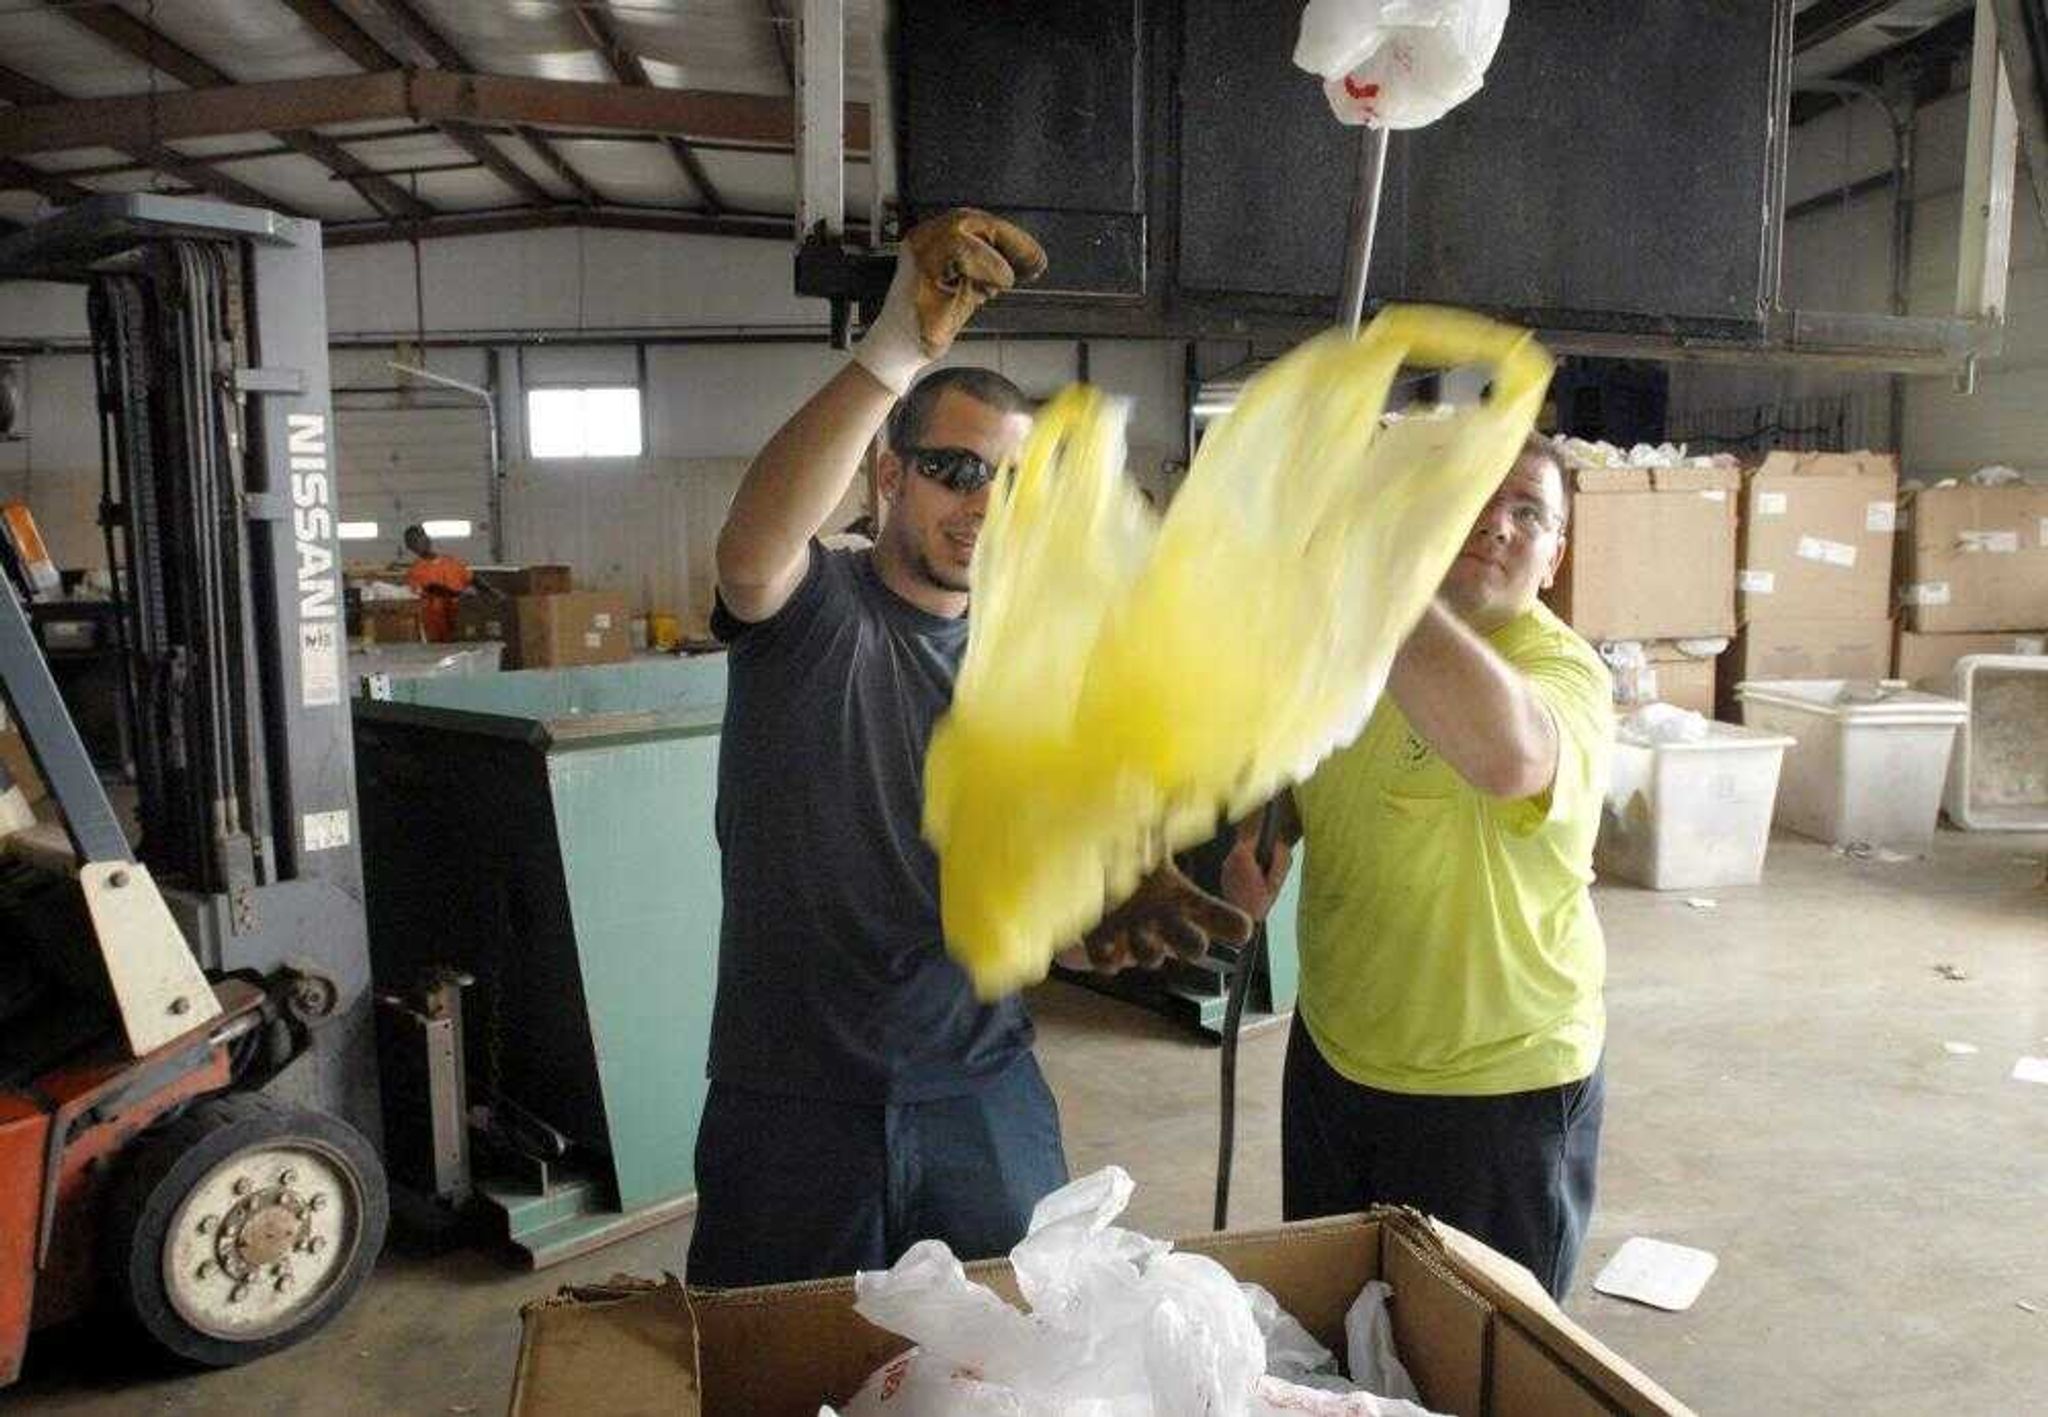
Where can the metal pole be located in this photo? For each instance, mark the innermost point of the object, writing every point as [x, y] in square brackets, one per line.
[1365, 220]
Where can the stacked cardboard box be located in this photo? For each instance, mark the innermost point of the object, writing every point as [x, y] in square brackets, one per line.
[550, 631]
[1973, 575]
[1651, 559]
[1814, 581]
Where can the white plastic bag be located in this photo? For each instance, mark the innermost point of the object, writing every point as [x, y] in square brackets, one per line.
[1399, 63]
[1119, 1324]
[1369, 1345]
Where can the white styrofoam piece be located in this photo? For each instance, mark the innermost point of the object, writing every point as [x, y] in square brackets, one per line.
[1657, 1273]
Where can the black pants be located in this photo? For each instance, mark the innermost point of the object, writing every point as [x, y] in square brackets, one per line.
[793, 1188]
[1517, 1170]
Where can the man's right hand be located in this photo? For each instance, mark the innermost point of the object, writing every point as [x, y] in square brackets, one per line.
[948, 267]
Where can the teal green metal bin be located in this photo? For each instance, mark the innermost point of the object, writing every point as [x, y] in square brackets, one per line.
[550, 833]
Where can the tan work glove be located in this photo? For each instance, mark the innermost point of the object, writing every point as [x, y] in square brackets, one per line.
[947, 267]
[1168, 914]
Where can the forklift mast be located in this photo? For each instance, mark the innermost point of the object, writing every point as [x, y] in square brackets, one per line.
[219, 509]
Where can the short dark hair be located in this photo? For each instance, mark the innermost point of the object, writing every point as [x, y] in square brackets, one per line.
[913, 412]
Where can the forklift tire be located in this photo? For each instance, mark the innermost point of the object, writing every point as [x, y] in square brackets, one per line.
[242, 1227]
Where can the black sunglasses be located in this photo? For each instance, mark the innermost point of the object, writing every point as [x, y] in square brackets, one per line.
[955, 469]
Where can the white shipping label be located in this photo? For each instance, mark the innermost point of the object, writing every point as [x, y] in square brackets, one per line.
[1770, 504]
[1881, 516]
[1759, 582]
[1828, 553]
[603, 619]
[593, 640]
[1715, 494]
[323, 831]
[2044, 531]
[1925, 593]
[319, 663]
[2030, 644]
[2003, 543]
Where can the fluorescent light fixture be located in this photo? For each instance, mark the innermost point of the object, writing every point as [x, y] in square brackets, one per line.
[453, 529]
[356, 531]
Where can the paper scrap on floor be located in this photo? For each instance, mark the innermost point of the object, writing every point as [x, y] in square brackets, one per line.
[1959, 1050]
[1128, 678]
[1657, 1273]
[2030, 1070]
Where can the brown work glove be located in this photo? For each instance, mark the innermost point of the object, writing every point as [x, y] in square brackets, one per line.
[948, 266]
[1168, 915]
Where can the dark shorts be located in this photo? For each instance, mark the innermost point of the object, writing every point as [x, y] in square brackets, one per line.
[793, 1188]
[1517, 1170]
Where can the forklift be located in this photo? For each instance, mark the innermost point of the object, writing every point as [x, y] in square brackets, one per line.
[188, 1090]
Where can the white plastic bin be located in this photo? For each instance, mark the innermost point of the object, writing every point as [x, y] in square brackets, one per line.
[1870, 762]
[1688, 816]
[1998, 778]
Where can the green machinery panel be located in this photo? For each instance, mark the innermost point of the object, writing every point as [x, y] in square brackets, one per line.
[550, 832]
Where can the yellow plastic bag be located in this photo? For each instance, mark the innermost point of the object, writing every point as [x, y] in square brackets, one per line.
[1127, 678]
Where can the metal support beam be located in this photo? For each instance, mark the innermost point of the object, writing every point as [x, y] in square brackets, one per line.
[1990, 171]
[777, 228]
[130, 35]
[785, 50]
[338, 29]
[2023, 44]
[1826, 19]
[20, 89]
[438, 47]
[821, 105]
[21, 175]
[625, 65]
[762, 121]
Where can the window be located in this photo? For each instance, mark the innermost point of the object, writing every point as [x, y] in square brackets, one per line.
[356, 531]
[583, 423]
[452, 530]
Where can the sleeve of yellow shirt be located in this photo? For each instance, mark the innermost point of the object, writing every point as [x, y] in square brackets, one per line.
[1577, 692]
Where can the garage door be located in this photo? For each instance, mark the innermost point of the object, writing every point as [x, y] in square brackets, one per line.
[406, 463]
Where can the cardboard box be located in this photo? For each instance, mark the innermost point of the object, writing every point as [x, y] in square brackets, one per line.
[574, 628]
[1807, 649]
[1917, 657]
[1817, 534]
[1975, 558]
[524, 580]
[1651, 554]
[391, 622]
[484, 617]
[1680, 679]
[1473, 1329]
[21, 767]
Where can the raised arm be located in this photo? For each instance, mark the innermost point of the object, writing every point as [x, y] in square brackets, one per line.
[1474, 708]
[948, 266]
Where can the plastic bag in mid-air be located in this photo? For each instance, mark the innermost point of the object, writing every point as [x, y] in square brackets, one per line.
[1127, 679]
[1399, 63]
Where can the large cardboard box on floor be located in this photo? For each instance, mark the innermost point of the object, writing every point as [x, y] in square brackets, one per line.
[1651, 553]
[1918, 658]
[1817, 537]
[1975, 558]
[1807, 649]
[571, 628]
[1473, 1329]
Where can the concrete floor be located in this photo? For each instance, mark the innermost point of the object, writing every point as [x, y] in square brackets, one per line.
[1778, 1094]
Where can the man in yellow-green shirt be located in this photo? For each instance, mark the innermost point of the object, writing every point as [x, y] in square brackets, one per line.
[1447, 1044]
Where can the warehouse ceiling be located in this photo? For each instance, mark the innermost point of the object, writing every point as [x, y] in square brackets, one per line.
[390, 118]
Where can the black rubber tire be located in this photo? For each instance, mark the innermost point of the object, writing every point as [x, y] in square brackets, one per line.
[163, 1167]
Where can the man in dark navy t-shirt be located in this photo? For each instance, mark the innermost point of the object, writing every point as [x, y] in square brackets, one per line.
[861, 1097]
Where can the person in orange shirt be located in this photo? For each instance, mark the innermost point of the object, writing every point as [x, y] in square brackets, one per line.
[439, 581]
